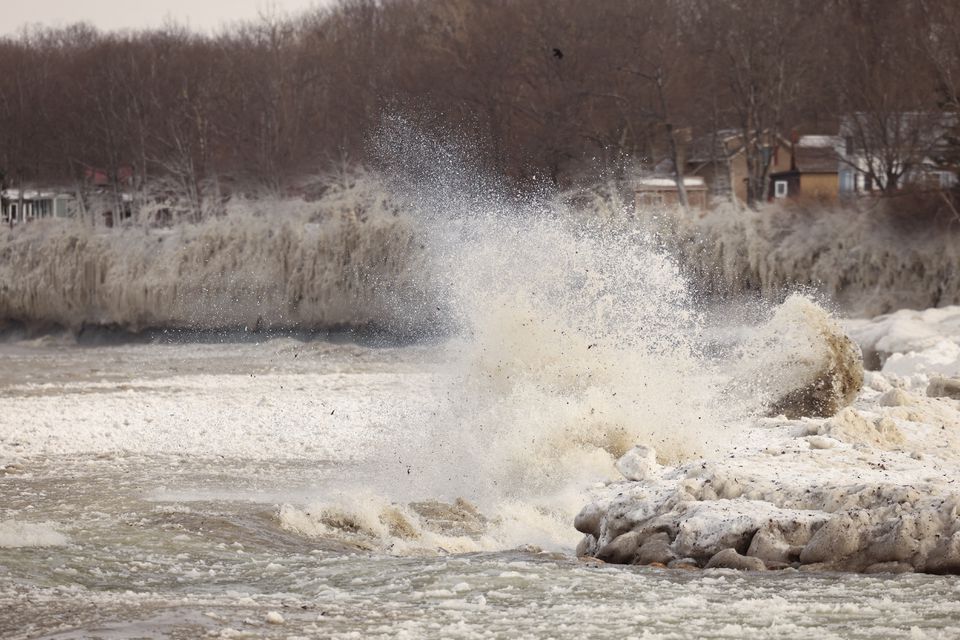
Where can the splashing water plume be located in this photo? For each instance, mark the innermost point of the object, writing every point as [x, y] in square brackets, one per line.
[575, 341]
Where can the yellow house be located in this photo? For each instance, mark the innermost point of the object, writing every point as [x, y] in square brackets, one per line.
[814, 170]
[720, 159]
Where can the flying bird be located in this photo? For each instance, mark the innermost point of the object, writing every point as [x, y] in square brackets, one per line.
[557, 54]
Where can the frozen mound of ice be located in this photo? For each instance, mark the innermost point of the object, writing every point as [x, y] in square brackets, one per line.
[870, 489]
[907, 331]
[800, 362]
[914, 350]
[854, 428]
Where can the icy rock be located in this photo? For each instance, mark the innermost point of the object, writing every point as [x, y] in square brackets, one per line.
[588, 520]
[838, 538]
[945, 558]
[707, 528]
[896, 398]
[821, 442]
[941, 387]
[834, 382]
[622, 550]
[769, 545]
[640, 463]
[275, 618]
[853, 428]
[876, 381]
[656, 549]
[902, 539]
[587, 546]
[730, 559]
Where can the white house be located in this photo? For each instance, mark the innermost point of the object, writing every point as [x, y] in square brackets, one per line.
[874, 148]
[32, 204]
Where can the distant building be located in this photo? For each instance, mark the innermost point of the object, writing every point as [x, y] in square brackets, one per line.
[875, 149]
[663, 191]
[103, 178]
[814, 171]
[720, 159]
[33, 204]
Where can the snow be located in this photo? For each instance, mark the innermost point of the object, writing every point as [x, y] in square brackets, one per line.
[907, 330]
[31, 194]
[688, 181]
[820, 141]
[255, 417]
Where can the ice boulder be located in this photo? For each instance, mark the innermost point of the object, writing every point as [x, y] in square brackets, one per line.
[640, 463]
[805, 364]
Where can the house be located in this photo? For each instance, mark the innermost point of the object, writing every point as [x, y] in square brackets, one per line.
[659, 191]
[888, 151]
[720, 159]
[103, 178]
[18, 206]
[814, 170]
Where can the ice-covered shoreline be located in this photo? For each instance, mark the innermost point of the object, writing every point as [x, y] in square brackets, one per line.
[874, 488]
[361, 257]
[350, 260]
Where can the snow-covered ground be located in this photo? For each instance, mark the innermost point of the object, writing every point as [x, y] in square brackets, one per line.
[874, 488]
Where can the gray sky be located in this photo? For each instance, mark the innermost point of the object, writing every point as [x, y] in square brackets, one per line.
[201, 15]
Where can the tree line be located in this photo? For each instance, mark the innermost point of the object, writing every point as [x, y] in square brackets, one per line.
[554, 91]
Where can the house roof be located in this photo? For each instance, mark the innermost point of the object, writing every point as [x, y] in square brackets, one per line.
[820, 140]
[816, 159]
[660, 184]
[32, 194]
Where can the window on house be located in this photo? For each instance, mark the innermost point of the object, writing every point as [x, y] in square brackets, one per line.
[847, 179]
[867, 183]
[780, 189]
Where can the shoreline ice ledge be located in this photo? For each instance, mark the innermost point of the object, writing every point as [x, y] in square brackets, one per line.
[873, 488]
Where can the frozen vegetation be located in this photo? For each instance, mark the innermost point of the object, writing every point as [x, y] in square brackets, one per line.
[869, 259]
[349, 259]
[356, 257]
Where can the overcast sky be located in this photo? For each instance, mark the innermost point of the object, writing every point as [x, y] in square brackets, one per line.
[136, 14]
